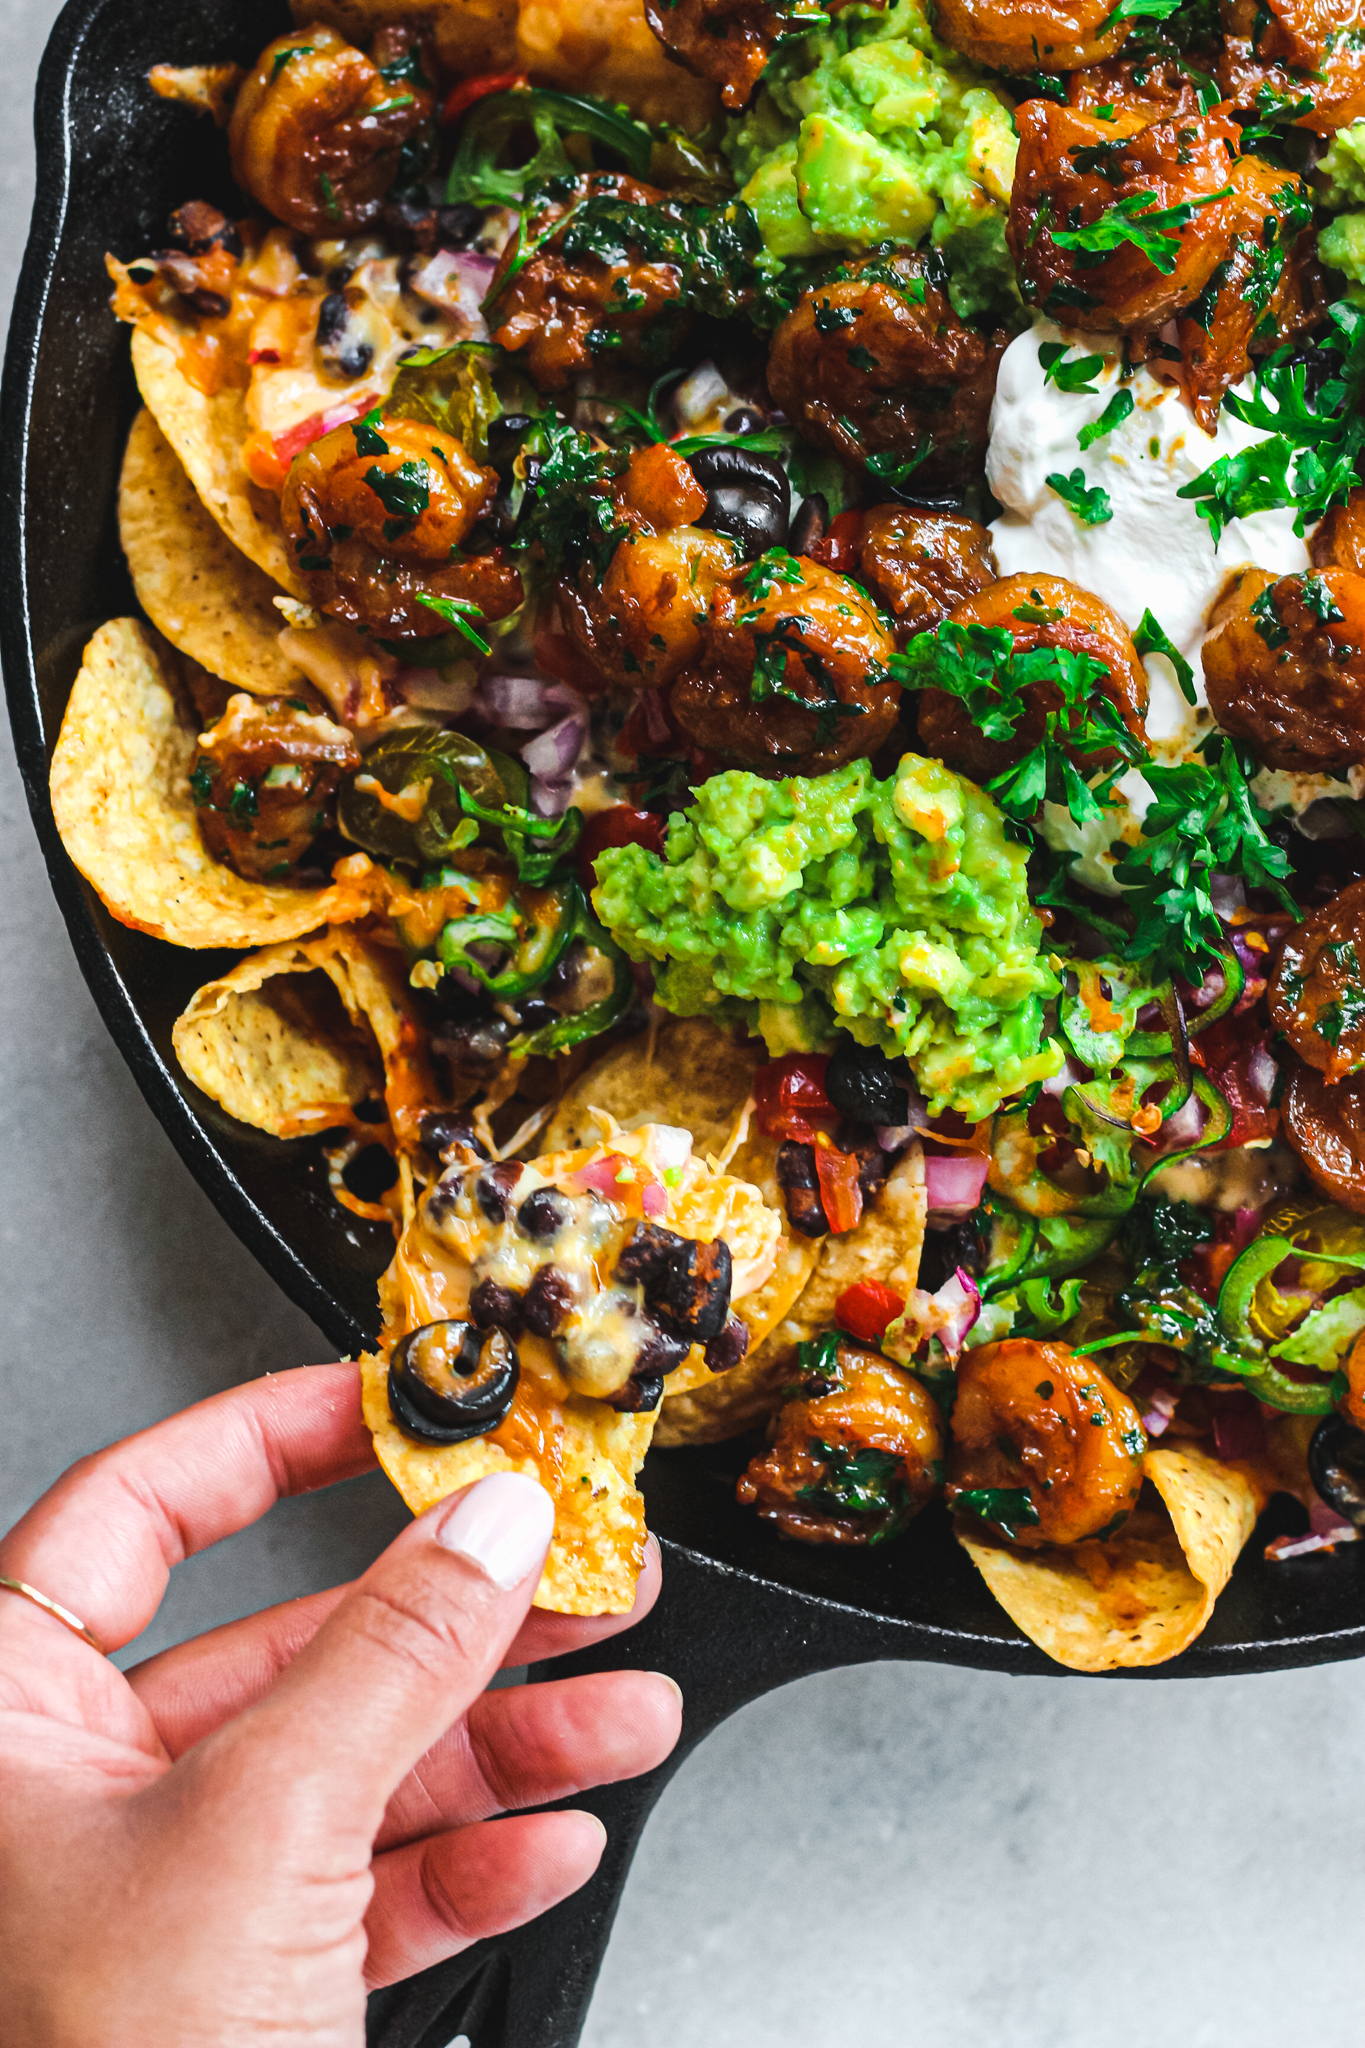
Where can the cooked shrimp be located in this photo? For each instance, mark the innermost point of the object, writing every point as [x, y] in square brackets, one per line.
[1301, 54]
[919, 564]
[783, 634]
[1325, 1123]
[376, 512]
[1315, 988]
[1285, 667]
[877, 367]
[1039, 36]
[318, 131]
[265, 782]
[1037, 1417]
[1339, 541]
[643, 621]
[1229, 250]
[853, 1458]
[727, 41]
[577, 285]
[1084, 625]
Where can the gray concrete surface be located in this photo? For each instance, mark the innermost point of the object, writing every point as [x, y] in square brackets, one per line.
[879, 1857]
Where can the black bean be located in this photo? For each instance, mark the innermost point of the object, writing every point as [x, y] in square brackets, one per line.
[1336, 1465]
[661, 1352]
[495, 1307]
[800, 1185]
[647, 1257]
[548, 1302]
[725, 1351]
[810, 524]
[450, 1381]
[544, 1212]
[493, 1189]
[442, 1128]
[863, 1082]
[476, 1045]
[698, 1291]
[637, 1397]
[533, 1013]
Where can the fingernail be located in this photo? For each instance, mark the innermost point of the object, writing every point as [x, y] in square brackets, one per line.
[503, 1525]
[663, 1675]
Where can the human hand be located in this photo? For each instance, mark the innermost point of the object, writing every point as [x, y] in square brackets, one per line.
[238, 1839]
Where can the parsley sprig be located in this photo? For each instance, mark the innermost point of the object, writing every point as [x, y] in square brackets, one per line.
[1203, 822]
[979, 665]
[1315, 436]
[1154, 230]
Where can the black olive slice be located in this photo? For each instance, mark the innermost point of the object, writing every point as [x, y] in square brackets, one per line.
[800, 1185]
[747, 496]
[450, 1381]
[1336, 1466]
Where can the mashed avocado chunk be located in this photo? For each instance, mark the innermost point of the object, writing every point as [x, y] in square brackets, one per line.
[874, 131]
[896, 910]
[1340, 183]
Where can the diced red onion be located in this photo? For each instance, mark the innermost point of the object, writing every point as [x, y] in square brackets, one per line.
[960, 1299]
[514, 700]
[1227, 893]
[699, 394]
[1184, 1127]
[1253, 964]
[668, 1146]
[457, 281]
[1208, 991]
[600, 1177]
[894, 1137]
[1262, 1071]
[1244, 1228]
[551, 795]
[1161, 1405]
[1285, 1547]
[296, 438]
[552, 754]
[653, 1199]
[953, 1183]
[652, 711]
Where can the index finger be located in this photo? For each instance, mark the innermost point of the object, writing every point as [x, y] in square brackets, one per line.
[104, 1539]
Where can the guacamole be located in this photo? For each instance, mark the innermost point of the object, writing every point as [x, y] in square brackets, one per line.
[896, 910]
[874, 131]
[1340, 183]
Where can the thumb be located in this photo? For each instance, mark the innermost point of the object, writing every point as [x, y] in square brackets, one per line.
[412, 1645]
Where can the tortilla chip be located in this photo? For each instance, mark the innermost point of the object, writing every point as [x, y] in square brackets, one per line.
[1144, 1596]
[121, 800]
[692, 1075]
[208, 434]
[599, 1541]
[281, 1060]
[194, 585]
[885, 1245]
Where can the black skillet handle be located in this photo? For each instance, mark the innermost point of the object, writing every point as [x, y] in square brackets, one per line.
[726, 1638]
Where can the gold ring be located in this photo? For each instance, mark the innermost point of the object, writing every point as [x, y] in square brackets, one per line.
[53, 1607]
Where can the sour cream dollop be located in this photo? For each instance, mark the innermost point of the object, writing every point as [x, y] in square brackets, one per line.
[1155, 553]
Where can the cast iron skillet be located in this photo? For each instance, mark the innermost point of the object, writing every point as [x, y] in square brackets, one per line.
[741, 1613]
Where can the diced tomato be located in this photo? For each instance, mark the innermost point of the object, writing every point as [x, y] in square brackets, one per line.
[1229, 1052]
[790, 1099]
[866, 1308]
[840, 1194]
[840, 548]
[619, 826]
[462, 97]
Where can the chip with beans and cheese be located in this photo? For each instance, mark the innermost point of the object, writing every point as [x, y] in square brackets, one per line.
[536, 1312]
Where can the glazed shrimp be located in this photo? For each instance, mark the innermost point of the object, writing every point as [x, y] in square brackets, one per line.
[1081, 623]
[376, 512]
[807, 1481]
[318, 130]
[1037, 1417]
[1285, 667]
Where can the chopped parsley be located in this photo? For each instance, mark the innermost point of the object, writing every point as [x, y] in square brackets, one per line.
[1153, 230]
[866, 1481]
[1203, 821]
[1091, 505]
[1071, 377]
[1009, 1507]
[459, 613]
[979, 665]
[1151, 637]
[1114, 415]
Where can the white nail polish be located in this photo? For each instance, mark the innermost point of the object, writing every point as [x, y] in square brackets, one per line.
[503, 1525]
